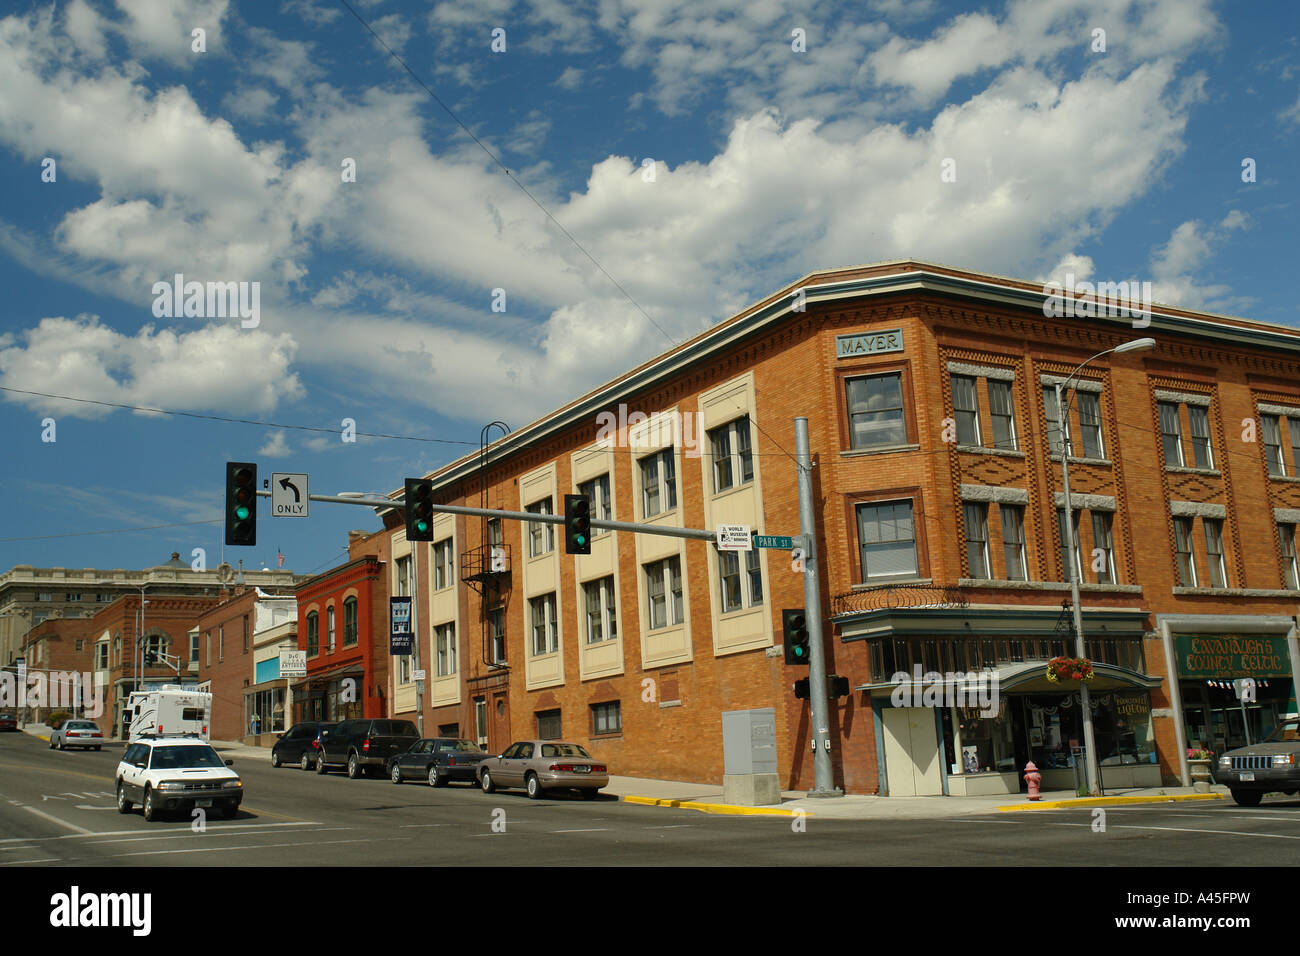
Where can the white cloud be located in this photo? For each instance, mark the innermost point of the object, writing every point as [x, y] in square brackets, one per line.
[1179, 268]
[275, 446]
[164, 28]
[570, 79]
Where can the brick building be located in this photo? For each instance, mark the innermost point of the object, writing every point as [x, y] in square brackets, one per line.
[239, 641]
[930, 396]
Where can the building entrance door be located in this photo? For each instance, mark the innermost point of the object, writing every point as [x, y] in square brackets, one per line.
[912, 752]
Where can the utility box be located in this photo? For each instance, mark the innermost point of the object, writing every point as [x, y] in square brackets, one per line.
[749, 755]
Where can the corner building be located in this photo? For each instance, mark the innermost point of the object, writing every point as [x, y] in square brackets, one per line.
[935, 434]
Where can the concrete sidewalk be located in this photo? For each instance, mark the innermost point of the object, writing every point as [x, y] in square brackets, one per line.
[707, 798]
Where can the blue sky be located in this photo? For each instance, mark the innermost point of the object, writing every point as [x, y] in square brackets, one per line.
[376, 295]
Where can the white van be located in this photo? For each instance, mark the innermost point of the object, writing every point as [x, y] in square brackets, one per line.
[169, 711]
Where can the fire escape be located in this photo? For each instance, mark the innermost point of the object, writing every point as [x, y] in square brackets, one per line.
[486, 569]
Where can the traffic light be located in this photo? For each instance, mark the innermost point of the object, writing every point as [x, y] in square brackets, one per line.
[838, 686]
[801, 691]
[577, 524]
[419, 509]
[241, 503]
[795, 627]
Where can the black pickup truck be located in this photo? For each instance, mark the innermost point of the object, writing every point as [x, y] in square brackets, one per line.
[363, 743]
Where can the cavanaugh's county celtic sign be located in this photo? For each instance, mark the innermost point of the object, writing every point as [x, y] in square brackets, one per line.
[1224, 655]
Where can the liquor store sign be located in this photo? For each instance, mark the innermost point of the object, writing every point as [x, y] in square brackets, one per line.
[1228, 656]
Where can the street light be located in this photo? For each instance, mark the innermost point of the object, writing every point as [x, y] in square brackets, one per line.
[1075, 572]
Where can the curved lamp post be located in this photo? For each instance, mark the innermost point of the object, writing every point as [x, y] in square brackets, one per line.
[1075, 572]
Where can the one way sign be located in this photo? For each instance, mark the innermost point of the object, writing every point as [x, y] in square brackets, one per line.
[289, 496]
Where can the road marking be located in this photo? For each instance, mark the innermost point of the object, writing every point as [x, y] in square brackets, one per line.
[139, 832]
[51, 859]
[1133, 826]
[672, 826]
[416, 826]
[214, 831]
[62, 823]
[590, 830]
[255, 846]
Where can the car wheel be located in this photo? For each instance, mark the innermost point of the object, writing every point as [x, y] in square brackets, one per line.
[320, 763]
[1247, 798]
[275, 759]
[396, 774]
[534, 787]
[51, 743]
[304, 762]
[485, 781]
[436, 779]
[354, 768]
[150, 808]
[123, 804]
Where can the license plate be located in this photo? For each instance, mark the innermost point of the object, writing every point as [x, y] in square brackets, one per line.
[203, 803]
[1246, 776]
[582, 770]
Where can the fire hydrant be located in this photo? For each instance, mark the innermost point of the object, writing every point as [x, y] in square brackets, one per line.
[1033, 778]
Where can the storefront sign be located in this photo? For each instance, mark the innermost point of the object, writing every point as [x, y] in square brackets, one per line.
[869, 343]
[293, 664]
[1227, 656]
[399, 614]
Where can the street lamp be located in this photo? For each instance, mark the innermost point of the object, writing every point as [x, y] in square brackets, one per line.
[1075, 572]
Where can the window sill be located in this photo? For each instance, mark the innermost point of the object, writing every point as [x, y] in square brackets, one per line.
[873, 585]
[1074, 460]
[669, 703]
[616, 735]
[1285, 478]
[1237, 592]
[1188, 470]
[1048, 585]
[982, 450]
[884, 450]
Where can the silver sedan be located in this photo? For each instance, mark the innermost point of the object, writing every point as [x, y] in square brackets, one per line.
[76, 733]
[541, 765]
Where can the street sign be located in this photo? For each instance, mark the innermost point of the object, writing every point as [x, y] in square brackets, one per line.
[399, 618]
[734, 537]
[419, 675]
[293, 663]
[289, 496]
[774, 541]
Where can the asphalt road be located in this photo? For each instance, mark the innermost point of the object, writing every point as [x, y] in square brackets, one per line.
[57, 809]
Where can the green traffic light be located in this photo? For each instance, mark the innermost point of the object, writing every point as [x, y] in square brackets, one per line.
[241, 512]
[422, 526]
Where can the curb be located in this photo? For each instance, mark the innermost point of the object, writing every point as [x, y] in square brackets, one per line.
[722, 808]
[1110, 801]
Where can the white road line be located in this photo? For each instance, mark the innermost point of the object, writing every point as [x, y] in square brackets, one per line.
[417, 826]
[589, 830]
[208, 833]
[255, 846]
[672, 826]
[63, 823]
[50, 859]
[1132, 826]
[180, 829]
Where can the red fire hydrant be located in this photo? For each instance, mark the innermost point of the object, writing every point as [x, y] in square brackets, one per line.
[1033, 778]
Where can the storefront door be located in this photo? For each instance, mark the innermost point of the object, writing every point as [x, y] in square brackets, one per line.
[912, 752]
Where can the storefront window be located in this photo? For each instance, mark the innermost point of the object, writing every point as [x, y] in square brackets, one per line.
[979, 744]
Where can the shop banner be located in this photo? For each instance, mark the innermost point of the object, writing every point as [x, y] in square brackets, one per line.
[1226, 656]
[399, 614]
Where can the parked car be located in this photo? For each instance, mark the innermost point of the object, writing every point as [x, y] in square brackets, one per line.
[364, 744]
[438, 760]
[299, 744]
[8, 721]
[1272, 765]
[176, 773]
[75, 732]
[541, 765]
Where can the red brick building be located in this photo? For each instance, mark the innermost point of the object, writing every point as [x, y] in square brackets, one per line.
[930, 396]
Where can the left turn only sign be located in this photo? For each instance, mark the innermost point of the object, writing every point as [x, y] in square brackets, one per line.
[289, 496]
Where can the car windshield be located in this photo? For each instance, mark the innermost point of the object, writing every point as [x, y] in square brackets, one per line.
[81, 725]
[458, 746]
[563, 750]
[182, 758]
[1286, 732]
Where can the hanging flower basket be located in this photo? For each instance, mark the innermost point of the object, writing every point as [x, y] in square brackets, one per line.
[1069, 668]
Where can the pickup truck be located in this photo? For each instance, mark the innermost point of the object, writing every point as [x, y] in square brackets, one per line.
[362, 744]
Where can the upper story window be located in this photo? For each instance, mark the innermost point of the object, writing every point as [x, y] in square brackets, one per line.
[350, 622]
[875, 404]
[1085, 401]
[966, 409]
[1099, 565]
[658, 483]
[664, 592]
[887, 538]
[1090, 424]
[733, 459]
[541, 536]
[742, 585]
[403, 571]
[977, 539]
[313, 634]
[1013, 541]
[545, 638]
[1271, 427]
[495, 537]
[1184, 558]
[1290, 571]
[443, 564]
[597, 492]
[329, 622]
[1198, 417]
[444, 638]
[602, 621]
[982, 546]
[497, 633]
[1189, 445]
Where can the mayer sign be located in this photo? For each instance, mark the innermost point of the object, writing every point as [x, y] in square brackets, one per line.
[869, 343]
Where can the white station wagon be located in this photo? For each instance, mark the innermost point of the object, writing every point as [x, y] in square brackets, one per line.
[176, 773]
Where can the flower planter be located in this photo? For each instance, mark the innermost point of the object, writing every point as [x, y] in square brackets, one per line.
[1201, 776]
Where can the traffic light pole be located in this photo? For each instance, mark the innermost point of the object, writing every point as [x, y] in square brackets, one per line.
[818, 699]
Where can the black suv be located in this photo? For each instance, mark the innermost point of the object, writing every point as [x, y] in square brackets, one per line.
[1272, 765]
[363, 744]
[299, 743]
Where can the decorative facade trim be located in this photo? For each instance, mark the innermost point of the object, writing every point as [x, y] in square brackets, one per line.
[1197, 509]
[1080, 385]
[1186, 398]
[983, 371]
[1090, 502]
[1002, 496]
[1268, 408]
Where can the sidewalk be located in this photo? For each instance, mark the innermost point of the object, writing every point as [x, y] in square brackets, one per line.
[707, 798]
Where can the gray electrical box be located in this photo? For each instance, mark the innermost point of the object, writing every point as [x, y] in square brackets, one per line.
[749, 741]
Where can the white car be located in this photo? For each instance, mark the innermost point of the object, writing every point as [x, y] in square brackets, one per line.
[77, 733]
[176, 773]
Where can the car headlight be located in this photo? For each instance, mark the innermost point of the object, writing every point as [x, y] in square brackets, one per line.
[1284, 760]
[171, 785]
[233, 783]
[1225, 763]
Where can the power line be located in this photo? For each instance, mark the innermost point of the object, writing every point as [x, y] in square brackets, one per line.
[79, 534]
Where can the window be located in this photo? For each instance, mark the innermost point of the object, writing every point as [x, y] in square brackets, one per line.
[658, 483]
[1273, 444]
[740, 588]
[1293, 427]
[887, 538]
[404, 668]
[497, 633]
[977, 540]
[541, 536]
[1003, 415]
[101, 656]
[443, 564]
[1199, 418]
[104, 598]
[1090, 423]
[1171, 438]
[1290, 572]
[403, 567]
[245, 633]
[875, 405]
[597, 492]
[194, 648]
[733, 459]
[480, 721]
[329, 619]
[444, 639]
[494, 536]
[1052, 411]
[549, 727]
[72, 597]
[1013, 540]
[45, 596]
[1214, 551]
[966, 409]
[545, 639]
[1183, 551]
[221, 643]
[79, 644]
[313, 634]
[350, 622]
[602, 622]
[1068, 569]
[607, 718]
[1103, 548]
[664, 581]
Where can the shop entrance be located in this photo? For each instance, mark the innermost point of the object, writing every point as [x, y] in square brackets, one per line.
[912, 752]
[1217, 721]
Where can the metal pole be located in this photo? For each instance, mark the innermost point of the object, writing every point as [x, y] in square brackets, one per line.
[1075, 572]
[818, 704]
[414, 588]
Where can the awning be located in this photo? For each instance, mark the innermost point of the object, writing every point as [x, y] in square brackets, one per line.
[1025, 677]
[325, 677]
[279, 683]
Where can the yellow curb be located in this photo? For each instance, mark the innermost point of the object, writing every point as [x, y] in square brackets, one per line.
[716, 807]
[1111, 801]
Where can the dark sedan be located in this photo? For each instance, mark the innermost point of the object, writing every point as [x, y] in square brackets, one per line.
[8, 722]
[438, 760]
[300, 743]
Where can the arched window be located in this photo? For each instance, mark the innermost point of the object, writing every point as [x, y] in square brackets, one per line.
[313, 634]
[350, 622]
